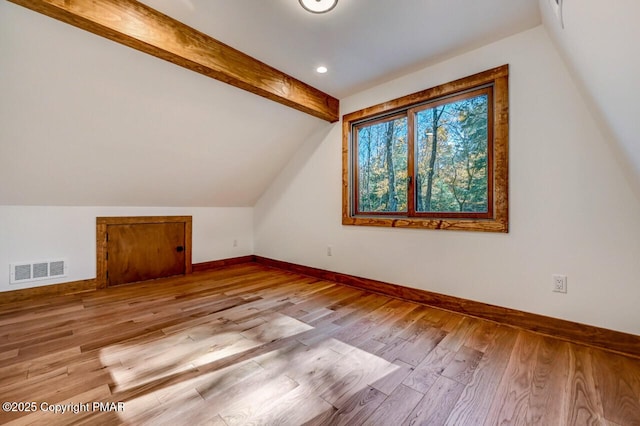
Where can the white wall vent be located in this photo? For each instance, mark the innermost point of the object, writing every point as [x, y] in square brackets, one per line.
[22, 272]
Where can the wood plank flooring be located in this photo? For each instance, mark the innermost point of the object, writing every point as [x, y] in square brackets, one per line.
[248, 344]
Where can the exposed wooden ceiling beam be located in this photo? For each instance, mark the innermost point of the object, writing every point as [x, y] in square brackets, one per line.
[138, 26]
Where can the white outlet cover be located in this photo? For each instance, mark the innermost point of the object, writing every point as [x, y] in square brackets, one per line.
[559, 283]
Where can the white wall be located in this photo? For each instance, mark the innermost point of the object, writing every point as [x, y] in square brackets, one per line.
[31, 233]
[571, 209]
[85, 121]
[599, 43]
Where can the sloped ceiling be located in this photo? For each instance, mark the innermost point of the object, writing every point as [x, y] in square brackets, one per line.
[85, 121]
[362, 42]
[599, 43]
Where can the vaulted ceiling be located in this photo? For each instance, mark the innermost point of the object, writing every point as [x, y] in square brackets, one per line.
[362, 42]
[85, 121]
[599, 43]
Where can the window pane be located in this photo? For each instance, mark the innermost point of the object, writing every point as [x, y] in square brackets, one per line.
[451, 157]
[382, 166]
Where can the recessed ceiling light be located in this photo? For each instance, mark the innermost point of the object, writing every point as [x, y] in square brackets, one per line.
[321, 70]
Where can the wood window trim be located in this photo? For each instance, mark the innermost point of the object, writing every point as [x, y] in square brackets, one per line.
[101, 240]
[499, 222]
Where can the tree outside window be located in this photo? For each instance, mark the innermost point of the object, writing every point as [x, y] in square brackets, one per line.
[435, 159]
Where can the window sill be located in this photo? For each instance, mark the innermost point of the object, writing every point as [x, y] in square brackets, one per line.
[479, 225]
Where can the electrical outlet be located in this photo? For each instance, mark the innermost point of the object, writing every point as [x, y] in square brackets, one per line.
[329, 251]
[559, 283]
[235, 243]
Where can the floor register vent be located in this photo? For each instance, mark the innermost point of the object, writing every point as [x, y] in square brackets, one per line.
[33, 271]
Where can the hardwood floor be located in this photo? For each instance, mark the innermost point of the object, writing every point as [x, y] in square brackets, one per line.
[248, 344]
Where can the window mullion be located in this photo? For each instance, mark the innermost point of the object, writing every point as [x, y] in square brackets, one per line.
[465, 176]
[411, 184]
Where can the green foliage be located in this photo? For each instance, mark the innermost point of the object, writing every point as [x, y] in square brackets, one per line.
[450, 160]
[374, 173]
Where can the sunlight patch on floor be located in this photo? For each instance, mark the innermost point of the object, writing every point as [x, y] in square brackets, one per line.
[188, 370]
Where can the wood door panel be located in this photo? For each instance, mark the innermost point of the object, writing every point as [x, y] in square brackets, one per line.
[139, 252]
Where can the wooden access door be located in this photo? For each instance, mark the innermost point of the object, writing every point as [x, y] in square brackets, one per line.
[143, 248]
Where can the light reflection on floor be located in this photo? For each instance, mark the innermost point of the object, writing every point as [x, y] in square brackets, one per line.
[238, 373]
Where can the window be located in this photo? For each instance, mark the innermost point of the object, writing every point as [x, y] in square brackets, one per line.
[435, 159]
